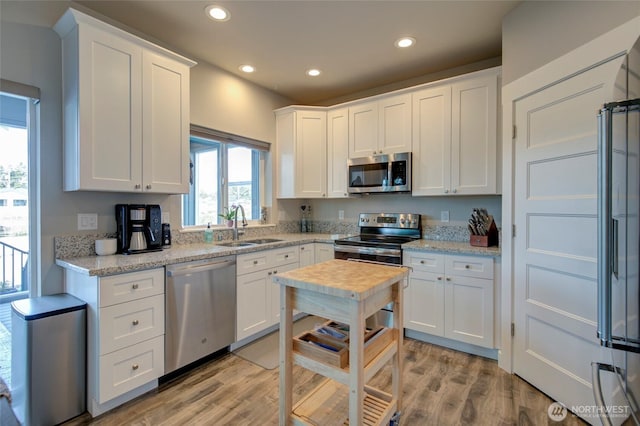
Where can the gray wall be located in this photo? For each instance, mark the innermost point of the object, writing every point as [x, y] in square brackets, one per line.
[537, 32]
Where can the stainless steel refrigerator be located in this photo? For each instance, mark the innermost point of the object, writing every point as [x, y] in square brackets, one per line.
[619, 249]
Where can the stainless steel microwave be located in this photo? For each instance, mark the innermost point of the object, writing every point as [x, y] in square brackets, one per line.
[380, 173]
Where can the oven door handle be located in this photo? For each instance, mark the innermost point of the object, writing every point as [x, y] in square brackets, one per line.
[366, 250]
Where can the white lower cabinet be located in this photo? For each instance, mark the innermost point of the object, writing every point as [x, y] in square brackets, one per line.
[450, 296]
[307, 254]
[125, 334]
[323, 252]
[258, 302]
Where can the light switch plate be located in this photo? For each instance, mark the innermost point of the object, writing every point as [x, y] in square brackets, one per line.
[444, 216]
[87, 221]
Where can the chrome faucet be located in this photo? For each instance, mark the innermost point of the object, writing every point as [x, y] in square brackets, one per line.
[236, 232]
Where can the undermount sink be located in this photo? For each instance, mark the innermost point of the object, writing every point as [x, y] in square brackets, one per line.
[263, 241]
[237, 244]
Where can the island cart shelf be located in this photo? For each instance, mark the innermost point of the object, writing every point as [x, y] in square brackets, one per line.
[347, 292]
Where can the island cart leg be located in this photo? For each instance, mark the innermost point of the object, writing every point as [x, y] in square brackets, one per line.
[286, 349]
[356, 361]
[396, 361]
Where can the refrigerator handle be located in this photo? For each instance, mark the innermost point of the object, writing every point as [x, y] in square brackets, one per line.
[614, 247]
[605, 225]
[596, 368]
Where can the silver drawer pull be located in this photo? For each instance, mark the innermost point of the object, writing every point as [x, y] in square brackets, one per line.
[134, 286]
[448, 278]
[439, 278]
[255, 262]
[135, 322]
[135, 366]
[275, 272]
[286, 256]
[422, 262]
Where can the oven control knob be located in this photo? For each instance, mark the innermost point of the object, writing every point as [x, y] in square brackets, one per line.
[402, 221]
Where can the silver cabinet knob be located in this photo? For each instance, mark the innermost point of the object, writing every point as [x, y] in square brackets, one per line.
[255, 262]
[439, 278]
[269, 273]
[135, 322]
[454, 190]
[467, 266]
[446, 191]
[135, 366]
[448, 278]
[422, 262]
[134, 286]
[148, 186]
[137, 186]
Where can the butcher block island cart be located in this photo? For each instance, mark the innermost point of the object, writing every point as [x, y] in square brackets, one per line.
[346, 292]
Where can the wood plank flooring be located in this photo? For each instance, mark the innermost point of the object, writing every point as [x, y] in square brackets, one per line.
[441, 387]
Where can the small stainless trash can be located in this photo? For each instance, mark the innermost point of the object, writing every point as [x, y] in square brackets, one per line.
[48, 359]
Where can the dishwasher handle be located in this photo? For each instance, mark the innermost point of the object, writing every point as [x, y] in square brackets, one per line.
[184, 270]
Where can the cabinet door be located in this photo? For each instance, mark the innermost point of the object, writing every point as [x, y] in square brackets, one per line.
[307, 255]
[363, 130]
[474, 136]
[165, 160]
[103, 132]
[324, 252]
[424, 303]
[274, 298]
[394, 124]
[253, 303]
[431, 141]
[311, 154]
[286, 154]
[469, 310]
[337, 152]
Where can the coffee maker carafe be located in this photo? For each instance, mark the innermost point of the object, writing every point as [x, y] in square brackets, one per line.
[139, 228]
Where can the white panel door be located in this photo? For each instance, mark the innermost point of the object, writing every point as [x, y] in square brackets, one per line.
[473, 139]
[394, 125]
[555, 246]
[424, 303]
[311, 154]
[109, 112]
[337, 152]
[363, 129]
[432, 141]
[165, 135]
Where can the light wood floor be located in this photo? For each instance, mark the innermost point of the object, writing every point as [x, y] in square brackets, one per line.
[441, 387]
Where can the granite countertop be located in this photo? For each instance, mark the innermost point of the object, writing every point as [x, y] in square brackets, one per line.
[452, 247]
[341, 278]
[119, 263]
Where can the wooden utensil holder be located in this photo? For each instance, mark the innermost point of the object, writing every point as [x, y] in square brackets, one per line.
[489, 240]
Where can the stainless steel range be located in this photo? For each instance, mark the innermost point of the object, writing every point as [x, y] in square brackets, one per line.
[380, 240]
[381, 237]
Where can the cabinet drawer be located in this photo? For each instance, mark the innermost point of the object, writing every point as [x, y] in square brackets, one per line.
[470, 266]
[251, 262]
[424, 262]
[131, 286]
[129, 368]
[129, 323]
[285, 255]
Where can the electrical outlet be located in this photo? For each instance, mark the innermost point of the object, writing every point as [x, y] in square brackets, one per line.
[166, 217]
[340, 214]
[444, 216]
[87, 221]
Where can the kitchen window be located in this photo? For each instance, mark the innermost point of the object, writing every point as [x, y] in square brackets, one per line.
[226, 170]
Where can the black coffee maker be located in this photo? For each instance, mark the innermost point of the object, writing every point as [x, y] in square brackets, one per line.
[139, 228]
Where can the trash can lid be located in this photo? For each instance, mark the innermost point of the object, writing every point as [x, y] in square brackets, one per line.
[41, 307]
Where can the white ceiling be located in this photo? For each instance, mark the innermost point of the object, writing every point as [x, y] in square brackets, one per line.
[352, 42]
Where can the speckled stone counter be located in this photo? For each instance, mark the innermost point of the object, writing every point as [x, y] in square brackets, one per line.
[118, 263]
[452, 247]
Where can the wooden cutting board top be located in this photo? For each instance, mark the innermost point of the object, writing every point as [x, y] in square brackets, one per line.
[343, 278]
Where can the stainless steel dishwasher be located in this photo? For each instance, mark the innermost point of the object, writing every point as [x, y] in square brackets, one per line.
[200, 310]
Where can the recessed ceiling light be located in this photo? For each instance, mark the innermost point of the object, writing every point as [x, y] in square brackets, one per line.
[313, 72]
[247, 68]
[405, 42]
[217, 13]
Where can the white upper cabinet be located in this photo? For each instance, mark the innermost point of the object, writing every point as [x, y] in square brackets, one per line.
[126, 110]
[337, 152]
[382, 126]
[455, 137]
[301, 143]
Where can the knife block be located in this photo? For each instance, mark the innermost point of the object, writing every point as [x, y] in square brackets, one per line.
[489, 240]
